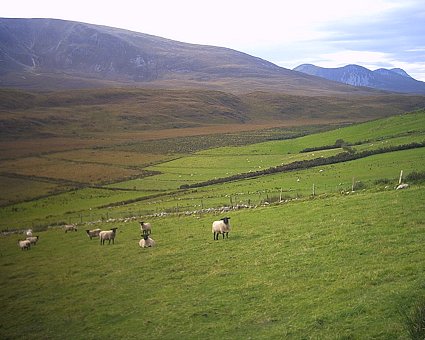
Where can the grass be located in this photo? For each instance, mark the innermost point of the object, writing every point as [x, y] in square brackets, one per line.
[337, 267]
[158, 193]
[88, 204]
[332, 266]
[415, 321]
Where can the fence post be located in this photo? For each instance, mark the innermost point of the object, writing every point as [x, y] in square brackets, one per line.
[401, 177]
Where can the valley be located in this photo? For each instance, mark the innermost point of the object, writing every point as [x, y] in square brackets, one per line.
[325, 251]
[103, 128]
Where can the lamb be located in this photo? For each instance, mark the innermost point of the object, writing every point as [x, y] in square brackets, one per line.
[145, 228]
[70, 227]
[28, 232]
[221, 227]
[107, 235]
[24, 244]
[93, 233]
[146, 241]
[33, 239]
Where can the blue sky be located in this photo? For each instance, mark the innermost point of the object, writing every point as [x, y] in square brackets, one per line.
[327, 33]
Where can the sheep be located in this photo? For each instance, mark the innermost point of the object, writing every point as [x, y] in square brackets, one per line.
[146, 241]
[107, 235]
[24, 244]
[145, 228]
[33, 239]
[70, 227]
[221, 227]
[402, 186]
[28, 232]
[93, 233]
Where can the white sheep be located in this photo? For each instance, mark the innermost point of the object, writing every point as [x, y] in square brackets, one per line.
[24, 244]
[28, 232]
[146, 242]
[402, 186]
[93, 233]
[108, 235]
[221, 227]
[145, 228]
[33, 239]
[70, 227]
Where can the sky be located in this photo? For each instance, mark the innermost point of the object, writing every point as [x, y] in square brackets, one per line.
[327, 33]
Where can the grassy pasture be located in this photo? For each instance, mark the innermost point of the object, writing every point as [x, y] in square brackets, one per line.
[17, 189]
[95, 161]
[411, 125]
[328, 179]
[209, 164]
[112, 157]
[330, 268]
[69, 207]
[83, 205]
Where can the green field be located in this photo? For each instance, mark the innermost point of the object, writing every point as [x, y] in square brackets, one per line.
[342, 262]
[149, 194]
[337, 267]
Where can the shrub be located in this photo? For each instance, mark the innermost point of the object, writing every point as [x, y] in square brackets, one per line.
[416, 177]
[384, 181]
[359, 186]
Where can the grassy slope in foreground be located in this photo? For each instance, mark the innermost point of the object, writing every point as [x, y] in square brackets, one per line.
[341, 267]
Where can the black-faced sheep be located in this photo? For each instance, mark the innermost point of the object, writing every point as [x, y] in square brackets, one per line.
[145, 228]
[108, 235]
[146, 242]
[221, 227]
[32, 239]
[93, 233]
[24, 244]
[70, 227]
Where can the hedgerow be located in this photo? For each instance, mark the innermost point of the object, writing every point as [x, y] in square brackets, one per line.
[305, 164]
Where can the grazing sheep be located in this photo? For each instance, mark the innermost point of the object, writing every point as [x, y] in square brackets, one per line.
[70, 227]
[146, 242]
[33, 239]
[402, 186]
[24, 244]
[145, 228]
[28, 232]
[108, 235]
[221, 227]
[93, 233]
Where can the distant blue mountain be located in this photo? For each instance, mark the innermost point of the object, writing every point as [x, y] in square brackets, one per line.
[394, 80]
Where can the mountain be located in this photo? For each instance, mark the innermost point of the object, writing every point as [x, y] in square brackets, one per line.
[57, 54]
[394, 80]
[401, 72]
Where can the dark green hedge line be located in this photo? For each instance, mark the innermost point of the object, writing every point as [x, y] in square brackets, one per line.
[299, 165]
[339, 143]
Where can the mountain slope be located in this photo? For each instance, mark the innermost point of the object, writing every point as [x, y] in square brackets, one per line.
[394, 80]
[52, 54]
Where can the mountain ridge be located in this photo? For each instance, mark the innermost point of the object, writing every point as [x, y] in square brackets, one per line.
[53, 53]
[393, 80]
